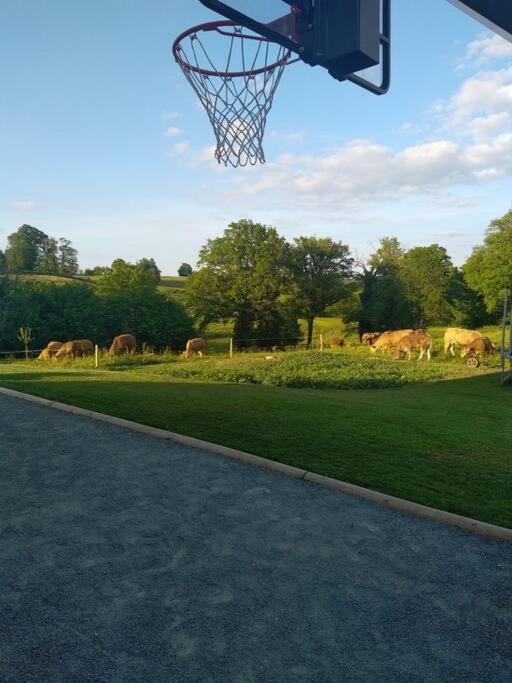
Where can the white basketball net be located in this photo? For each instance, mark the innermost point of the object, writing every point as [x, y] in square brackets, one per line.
[238, 96]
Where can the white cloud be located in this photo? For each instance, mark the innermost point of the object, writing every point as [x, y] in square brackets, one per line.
[172, 132]
[487, 92]
[180, 147]
[487, 47]
[363, 172]
[22, 206]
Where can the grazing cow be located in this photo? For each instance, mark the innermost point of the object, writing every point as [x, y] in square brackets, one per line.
[49, 352]
[480, 346]
[389, 340]
[73, 349]
[369, 337]
[124, 343]
[195, 347]
[337, 343]
[417, 340]
[456, 336]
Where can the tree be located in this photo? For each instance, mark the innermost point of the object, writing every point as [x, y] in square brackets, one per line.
[245, 276]
[321, 269]
[48, 259]
[427, 274]
[68, 258]
[148, 267]
[185, 270]
[25, 337]
[489, 268]
[383, 300]
[128, 278]
[3, 262]
[23, 248]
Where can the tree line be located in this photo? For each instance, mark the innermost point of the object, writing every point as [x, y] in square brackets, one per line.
[264, 284]
[256, 280]
[30, 250]
[124, 299]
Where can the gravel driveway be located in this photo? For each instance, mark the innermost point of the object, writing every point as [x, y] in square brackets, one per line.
[128, 558]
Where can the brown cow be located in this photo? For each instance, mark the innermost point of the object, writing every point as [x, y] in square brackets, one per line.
[480, 346]
[457, 336]
[369, 337]
[49, 352]
[124, 343]
[389, 339]
[195, 347]
[73, 349]
[337, 343]
[418, 340]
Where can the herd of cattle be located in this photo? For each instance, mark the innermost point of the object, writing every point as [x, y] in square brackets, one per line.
[404, 342]
[124, 343]
[471, 342]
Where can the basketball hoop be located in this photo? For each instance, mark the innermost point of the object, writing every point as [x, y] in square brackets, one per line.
[237, 96]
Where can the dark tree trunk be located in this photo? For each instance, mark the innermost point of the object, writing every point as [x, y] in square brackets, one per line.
[311, 320]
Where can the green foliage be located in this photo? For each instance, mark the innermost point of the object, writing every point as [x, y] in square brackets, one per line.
[75, 311]
[123, 278]
[31, 250]
[321, 269]
[3, 262]
[48, 259]
[25, 337]
[489, 268]
[67, 258]
[416, 288]
[427, 274]
[185, 270]
[312, 370]
[23, 248]
[245, 275]
[150, 316]
[384, 302]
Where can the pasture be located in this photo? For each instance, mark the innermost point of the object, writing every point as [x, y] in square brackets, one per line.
[436, 433]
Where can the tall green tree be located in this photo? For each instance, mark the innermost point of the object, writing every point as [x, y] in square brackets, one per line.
[321, 269]
[489, 268]
[48, 259]
[23, 248]
[245, 276]
[67, 258]
[384, 303]
[3, 262]
[427, 274]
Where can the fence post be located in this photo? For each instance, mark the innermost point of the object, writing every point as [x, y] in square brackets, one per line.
[231, 347]
[96, 355]
[321, 342]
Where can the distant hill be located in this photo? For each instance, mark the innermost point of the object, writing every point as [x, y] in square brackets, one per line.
[56, 279]
[167, 281]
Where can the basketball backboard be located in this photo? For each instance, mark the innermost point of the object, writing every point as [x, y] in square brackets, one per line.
[343, 36]
[495, 14]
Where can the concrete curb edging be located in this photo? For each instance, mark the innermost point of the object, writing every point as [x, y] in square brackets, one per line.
[400, 504]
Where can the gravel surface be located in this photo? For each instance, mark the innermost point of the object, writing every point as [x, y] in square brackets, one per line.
[128, 558]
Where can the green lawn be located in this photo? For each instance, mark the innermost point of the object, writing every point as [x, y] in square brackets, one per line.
[447, 444]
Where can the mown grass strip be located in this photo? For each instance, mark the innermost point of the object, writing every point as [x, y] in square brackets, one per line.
[445, 444]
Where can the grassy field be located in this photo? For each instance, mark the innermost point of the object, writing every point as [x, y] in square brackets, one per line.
[54, 279]
[442, 443]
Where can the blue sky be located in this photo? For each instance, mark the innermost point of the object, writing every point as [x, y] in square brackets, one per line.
[102, 139]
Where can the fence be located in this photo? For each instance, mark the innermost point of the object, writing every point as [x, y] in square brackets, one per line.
[272, 344]
[6, 355]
